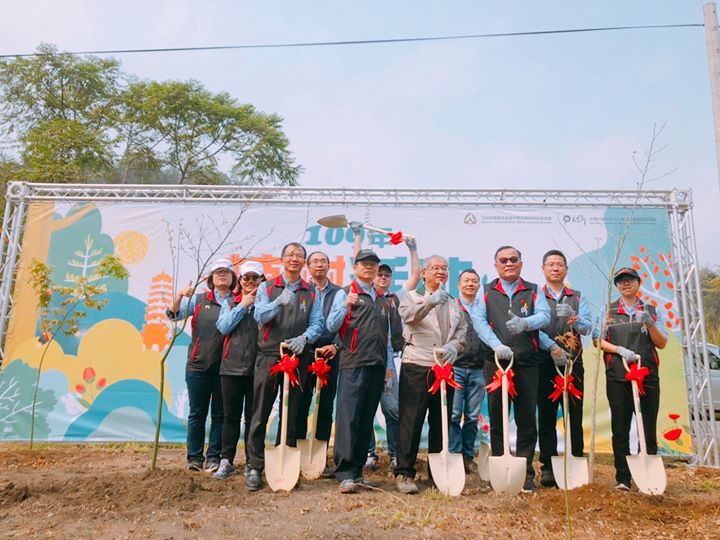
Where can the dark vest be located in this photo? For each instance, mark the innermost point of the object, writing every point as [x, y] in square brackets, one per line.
[475, 351]
[526, 344]
[240, 345]
[396, 328]
[631, 335]
[327, 337]
[364, 332]
[558, 329]
[206, 344]
[291, 321]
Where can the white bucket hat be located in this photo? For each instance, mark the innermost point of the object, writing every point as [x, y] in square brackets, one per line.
[251, 266]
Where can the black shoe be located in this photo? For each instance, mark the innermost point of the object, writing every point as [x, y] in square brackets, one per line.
[328, 472]
[212, 465]
[470, 465]
[529, 486]
[253, 480]
[195, 465]
[547, 478]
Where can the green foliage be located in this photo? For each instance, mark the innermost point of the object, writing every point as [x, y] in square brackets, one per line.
[710, 285]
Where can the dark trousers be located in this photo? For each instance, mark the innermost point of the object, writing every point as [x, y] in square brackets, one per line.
[237, 393]
[619, 396]
[548, 410]
[265, 391]
[415, 402]
[204, 393]
[326, 406]
[523, 408]
[359, 391]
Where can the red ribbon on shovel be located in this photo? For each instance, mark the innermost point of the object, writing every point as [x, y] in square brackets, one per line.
[287, 364]
[395, 238]
[443, 373]
[561, 384]
[497, 382]
[321, 369]
[638, 375]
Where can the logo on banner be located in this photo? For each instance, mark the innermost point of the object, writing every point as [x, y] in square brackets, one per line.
[470, 219]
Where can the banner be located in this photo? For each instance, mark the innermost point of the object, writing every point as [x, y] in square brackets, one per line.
[102, 383]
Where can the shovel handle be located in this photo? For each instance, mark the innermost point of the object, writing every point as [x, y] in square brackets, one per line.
[504, 370]
[638, 410]
[378, 230]
[443, 406]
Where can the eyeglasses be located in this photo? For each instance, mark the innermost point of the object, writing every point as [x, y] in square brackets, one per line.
[511, 260]
[319, 261]
[251, 277]
[555, 265]
[385, 275]
[298, 256]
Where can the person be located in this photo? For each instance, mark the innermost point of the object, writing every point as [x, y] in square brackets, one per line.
[202, 371]
[237, 324]
[432, 322]
[632, 332]
[361, 317]
[560, 342]
[507, 321]
[286, 312]
[470, 376]
[318, 264]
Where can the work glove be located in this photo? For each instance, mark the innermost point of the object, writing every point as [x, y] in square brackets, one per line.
[629, 356]
[449, 353]
[287, 297]
[355, 227]
[645, 318]
[438, 297]
[503, 352]
[411, 243]
[559, 355]
[516, 325]
[296, 344]
[564, 310]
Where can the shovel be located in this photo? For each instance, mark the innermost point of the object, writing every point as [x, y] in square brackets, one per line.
[282, 463]
[483, 462]
[507, 472]
[313, 453]
[647, 471]
[339, 221]
[447, 468]
[570, 472]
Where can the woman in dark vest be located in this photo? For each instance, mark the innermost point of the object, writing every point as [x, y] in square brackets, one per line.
[202, 372]
[237, 324]
[632, 332]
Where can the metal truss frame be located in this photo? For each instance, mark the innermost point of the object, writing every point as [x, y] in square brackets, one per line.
[678, 204]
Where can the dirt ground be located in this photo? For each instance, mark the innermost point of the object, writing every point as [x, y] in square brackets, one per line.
[107, 491]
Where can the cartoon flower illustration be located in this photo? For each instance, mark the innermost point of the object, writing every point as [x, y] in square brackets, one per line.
[673, 433]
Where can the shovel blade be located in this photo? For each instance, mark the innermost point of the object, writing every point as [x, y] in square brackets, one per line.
[332, 222]
[577, 471]
[282, 467]
[483, 462]
[448, 472]
[507, 474]
[312, 463]
[648, 473]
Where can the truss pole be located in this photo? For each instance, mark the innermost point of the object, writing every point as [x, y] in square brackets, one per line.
[713, 50]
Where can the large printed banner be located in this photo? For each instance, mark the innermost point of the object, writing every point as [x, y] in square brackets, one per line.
[102, 383]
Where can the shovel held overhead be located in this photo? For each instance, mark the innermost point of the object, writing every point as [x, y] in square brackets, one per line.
[313, 452]
[340, 221]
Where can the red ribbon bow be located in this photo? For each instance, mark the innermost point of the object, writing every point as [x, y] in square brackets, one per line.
[287, 364]
[321, 369]
[561, 383]
[395, 238]
[497, 381]
[638, 375]
[443, 373]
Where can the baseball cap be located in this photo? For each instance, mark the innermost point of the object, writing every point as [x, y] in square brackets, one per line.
[221, 264]
[631, 272]
[366, 255]
[251, 267]
[385, 268]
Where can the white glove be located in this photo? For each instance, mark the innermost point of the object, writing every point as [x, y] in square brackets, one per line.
[355, 227]
[438, 297]
[287, 297]
[296, 344]
[503, 352]
[450, 353]
[644, 317]
[559, 355]
[629, 356]
[564, 310]
[516, 325]
[411, 243]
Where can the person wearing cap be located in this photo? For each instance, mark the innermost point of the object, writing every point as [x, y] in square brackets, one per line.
[560, 342]
[361, 317]
[508, 320]
[237, 324]
[202, 371]
[632, 332]
[432, 321]
[286, 312]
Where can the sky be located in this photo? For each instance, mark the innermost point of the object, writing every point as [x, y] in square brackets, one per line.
[538, 112]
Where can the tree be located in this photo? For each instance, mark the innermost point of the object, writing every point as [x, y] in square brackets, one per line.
[710, 285]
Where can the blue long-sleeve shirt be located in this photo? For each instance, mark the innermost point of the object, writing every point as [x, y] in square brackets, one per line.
[339, 309]
[187, 305]
[630, 310]
[266, 310]
[583, 325]
[539, 319]
[230, 318]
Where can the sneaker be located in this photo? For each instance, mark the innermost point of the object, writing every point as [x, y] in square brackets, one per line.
[393, 463]
[253, 480]
[212, 465]
[547, 478]
[622, 486]
[195, 465]
[225, 471]
[371, 463]
[328, 472]
[470, 465]
[529, 485]
[406, 485]
[347, 486]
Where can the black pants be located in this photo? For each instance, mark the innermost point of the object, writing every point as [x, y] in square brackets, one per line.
[326, 406]
[547, 412]
[619, 396]
[415, 402]
[265, 391]
[237, 393]
[359, 391]
[523, 407]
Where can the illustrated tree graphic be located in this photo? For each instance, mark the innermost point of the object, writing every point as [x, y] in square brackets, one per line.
[87, 263]
[155, 332]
